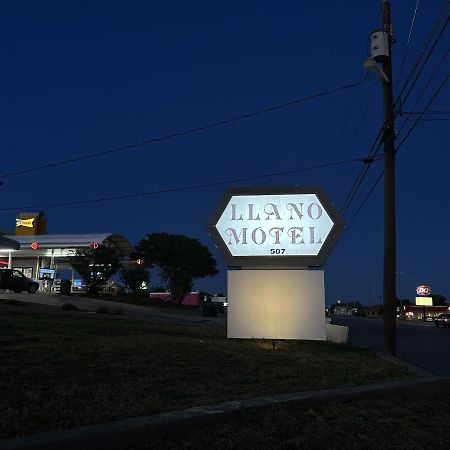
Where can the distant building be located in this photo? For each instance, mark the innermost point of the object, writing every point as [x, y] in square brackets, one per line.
[374, 311]
[417, 312]
[344, 310]
[45, 257]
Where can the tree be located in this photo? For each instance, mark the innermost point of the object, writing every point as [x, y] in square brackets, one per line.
[133, 277]
[403, 301]
[95, 266]
[179, 259]
[439, 299]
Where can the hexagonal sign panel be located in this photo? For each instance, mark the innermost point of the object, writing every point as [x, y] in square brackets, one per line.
[276, 226]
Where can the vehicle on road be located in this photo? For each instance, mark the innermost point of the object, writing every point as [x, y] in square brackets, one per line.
[16, 281]
[442, 320]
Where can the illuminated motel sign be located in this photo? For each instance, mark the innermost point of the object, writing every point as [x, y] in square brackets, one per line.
[293, 226]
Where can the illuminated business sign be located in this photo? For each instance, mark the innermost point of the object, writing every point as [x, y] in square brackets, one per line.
[424, 301]
[276, 226]
[423, 290]
[27, 223]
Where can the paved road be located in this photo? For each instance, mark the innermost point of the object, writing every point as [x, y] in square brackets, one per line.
[423, 345]
[162, 315]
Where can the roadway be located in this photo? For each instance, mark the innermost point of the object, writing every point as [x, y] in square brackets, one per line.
[420, 344]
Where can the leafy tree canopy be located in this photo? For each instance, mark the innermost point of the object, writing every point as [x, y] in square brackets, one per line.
[133, 277]
[179, 260]
[95, 266]
[403, 301]
[439, 299]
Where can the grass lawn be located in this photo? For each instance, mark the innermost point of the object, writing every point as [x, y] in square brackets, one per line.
[62, 368]
[389, 423]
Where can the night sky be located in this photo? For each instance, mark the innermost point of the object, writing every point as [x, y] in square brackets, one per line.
[81, 77]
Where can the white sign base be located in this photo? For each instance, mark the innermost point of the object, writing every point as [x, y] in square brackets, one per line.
[276, 304]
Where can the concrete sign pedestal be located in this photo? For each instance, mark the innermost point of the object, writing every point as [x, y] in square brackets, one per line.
[276, 304]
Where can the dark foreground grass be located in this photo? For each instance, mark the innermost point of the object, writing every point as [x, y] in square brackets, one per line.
[62, 368]
[390, 423]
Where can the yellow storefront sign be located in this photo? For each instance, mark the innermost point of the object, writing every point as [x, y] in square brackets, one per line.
[424, 301]
[28, 223]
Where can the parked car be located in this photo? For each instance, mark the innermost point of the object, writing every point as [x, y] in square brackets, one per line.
[442, 320]
[17, 281]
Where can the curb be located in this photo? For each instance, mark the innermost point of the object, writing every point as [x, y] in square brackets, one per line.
[136, 432]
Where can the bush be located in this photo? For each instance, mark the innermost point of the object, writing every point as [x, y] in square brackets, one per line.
[69, 307]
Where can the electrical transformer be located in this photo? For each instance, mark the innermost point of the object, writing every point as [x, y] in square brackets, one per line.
[379, 45]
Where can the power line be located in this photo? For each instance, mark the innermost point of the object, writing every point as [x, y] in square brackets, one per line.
[402, 98]
[422, 113]
[185, 188]
[435, 119]
[422, 51]
[430, 79]
[366, 198]
[363, 172]
[411, 28]
[419, 98]
[405, 113]
[438, 90]
[350, 144]
[188, 131]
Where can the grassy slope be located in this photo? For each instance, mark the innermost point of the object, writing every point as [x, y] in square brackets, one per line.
[360, 424]
[61, 368]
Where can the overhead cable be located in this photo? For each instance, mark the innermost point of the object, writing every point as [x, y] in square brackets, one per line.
[411, 28]
[186, 132]
[185, 188]
[421, 114]
[401, 98]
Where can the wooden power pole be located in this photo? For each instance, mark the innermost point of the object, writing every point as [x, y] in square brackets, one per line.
[389, 271]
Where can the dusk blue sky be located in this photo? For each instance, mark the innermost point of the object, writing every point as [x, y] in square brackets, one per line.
[79, 77]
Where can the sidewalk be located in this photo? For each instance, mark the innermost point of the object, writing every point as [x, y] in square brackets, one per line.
[140, 431]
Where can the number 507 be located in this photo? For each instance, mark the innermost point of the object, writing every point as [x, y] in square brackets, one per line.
[277, 251]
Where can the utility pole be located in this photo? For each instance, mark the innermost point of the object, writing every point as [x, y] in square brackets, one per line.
[389, 279]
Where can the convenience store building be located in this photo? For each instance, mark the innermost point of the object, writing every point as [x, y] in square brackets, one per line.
[45, 257]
